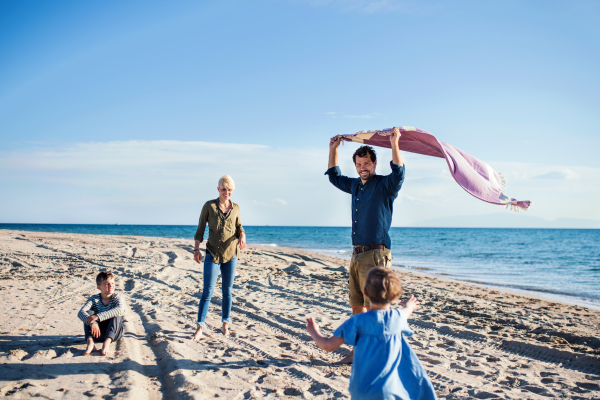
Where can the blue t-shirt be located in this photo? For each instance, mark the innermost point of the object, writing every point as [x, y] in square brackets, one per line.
[384, 366]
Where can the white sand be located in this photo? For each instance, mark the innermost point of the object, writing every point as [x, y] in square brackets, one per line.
[475, 343]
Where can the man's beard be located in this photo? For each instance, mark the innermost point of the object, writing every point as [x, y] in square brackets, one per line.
[366, 176]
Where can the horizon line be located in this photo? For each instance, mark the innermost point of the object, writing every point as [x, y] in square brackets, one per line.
[303, 226]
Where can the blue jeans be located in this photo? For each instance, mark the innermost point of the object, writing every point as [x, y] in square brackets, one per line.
[211, 273]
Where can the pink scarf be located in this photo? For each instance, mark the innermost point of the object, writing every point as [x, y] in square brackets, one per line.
[473, 175]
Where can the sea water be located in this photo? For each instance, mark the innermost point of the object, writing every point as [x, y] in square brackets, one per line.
[560, 264]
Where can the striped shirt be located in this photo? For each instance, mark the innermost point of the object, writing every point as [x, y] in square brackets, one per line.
[94, 306]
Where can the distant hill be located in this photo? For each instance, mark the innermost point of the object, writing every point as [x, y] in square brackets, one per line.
[506, 220]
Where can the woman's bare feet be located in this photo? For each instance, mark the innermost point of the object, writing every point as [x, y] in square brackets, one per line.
[196, 336]
[225, 329]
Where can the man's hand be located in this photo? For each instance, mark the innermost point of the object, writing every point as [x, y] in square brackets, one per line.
[335, 142]
[95, 330]
[396, 156]
[197, 256]
[395, 136]
[242, 241]
[92, 318]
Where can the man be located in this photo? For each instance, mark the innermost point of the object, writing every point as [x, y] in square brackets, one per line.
[372, 206]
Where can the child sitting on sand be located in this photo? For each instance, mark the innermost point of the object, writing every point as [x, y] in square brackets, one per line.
[384, 367]
[102, 315]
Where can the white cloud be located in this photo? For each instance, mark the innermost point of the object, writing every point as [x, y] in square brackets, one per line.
[168, 181]
[128, 154]
[559, 175]
[366, 116]
[330, 113]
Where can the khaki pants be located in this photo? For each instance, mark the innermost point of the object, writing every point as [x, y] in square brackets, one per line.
[360, 265]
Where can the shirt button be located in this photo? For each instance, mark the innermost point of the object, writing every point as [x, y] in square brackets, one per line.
[357, 199]
[357, 209]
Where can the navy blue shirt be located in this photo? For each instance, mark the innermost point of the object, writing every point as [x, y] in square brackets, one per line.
[372, 204]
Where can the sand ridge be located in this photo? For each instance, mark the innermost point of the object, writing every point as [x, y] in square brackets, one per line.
[474, 342]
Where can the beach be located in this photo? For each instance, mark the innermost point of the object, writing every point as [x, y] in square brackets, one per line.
[474, 342]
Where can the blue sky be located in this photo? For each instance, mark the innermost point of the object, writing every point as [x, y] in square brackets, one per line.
[130, 111]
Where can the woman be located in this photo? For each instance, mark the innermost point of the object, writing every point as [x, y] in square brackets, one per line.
[224, 233]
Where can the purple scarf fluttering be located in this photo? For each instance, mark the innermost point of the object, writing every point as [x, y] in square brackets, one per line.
[473, 175]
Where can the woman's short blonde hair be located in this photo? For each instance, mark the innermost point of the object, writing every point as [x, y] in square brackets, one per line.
[226, 182]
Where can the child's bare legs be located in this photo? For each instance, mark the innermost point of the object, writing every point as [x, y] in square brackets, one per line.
[198, 334]
[91, 331]
[106, 346]
[90, 347]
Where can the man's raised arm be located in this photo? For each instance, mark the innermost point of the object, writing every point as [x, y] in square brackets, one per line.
[396, 156]
[334, 143]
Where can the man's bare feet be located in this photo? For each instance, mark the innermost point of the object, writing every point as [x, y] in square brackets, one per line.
[196, 336]
[225, 329]
[346, 360]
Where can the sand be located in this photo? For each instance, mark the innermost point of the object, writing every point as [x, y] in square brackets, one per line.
[474, 342]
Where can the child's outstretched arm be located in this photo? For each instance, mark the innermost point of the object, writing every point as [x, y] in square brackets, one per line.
[326, 343]
[411, 304]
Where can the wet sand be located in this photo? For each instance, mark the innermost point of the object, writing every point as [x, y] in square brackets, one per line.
[474, 342]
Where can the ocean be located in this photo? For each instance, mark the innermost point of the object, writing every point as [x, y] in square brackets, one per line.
[558, 264]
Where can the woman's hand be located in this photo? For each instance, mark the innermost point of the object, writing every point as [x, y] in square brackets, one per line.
[242, 241]
[197, 256]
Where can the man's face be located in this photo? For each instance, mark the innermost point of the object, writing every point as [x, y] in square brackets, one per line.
[365, 167]
[107, 287]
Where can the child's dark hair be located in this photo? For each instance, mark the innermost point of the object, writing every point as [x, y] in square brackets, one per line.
[383, 285]
[102, 276]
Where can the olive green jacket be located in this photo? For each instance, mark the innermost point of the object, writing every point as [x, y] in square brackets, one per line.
[224, 230]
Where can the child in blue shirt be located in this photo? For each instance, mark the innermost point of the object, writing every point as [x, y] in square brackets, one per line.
[384, 367]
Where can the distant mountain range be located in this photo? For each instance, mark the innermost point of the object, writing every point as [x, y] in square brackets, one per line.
[506, 220]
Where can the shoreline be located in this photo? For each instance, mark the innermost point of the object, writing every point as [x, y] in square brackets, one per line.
[567, 299]
[474, 342]
[538, 294]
